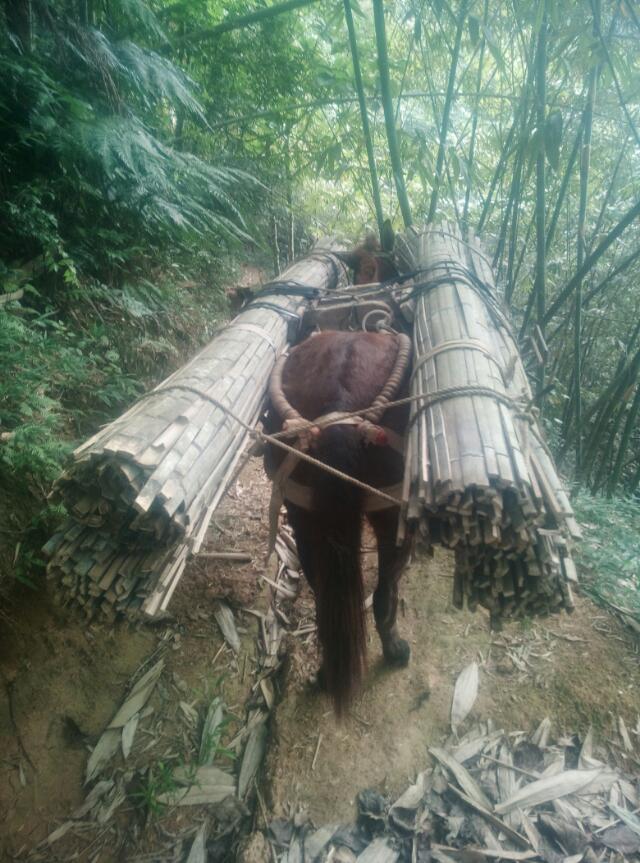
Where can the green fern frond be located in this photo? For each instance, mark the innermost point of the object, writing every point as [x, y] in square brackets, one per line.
[156, 78]
[138, 12]
[174, 190]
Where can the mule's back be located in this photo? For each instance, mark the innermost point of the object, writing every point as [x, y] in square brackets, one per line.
[336, 371]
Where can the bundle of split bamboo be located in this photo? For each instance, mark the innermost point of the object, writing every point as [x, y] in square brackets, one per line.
[141, 492]
[478, 476]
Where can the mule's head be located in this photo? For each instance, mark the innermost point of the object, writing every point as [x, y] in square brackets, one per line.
[369, 262]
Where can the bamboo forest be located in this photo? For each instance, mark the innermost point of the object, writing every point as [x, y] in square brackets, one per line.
[320, 431]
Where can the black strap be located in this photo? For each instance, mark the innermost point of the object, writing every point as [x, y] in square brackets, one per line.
[290, 288]
[262, 304]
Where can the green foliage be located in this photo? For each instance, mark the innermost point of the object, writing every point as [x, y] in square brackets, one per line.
[88, 121]
[158, 781]
[609, 554]
[127, 150]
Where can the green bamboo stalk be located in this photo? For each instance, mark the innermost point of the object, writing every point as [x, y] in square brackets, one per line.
[564, 185]
[629, 426]
[614, 75]
[513, 239]
[592, 260]
[607, 403]
[444, 128]
[635, 480]
[619, 377]
[513, 203]
[366, 129]
[585, 162]
[474, 123]
[539, 287]
[387, 105]
[622, 266]
[500, 167]
[607, 197]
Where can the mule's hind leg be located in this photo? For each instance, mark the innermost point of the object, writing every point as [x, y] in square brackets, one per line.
[392, 559]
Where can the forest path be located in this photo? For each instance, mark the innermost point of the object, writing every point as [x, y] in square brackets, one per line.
[578, 670]
[63, 680]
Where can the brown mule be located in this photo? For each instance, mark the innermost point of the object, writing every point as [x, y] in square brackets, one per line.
[343, 372]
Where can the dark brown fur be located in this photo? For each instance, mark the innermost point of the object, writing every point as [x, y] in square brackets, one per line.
[369, 263]
[338, 371]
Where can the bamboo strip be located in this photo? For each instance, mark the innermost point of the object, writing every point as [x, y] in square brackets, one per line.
[484, 482]
[142, 491]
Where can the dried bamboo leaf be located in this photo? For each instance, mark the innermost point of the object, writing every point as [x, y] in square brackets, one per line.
[138, 696]
[412, 797]
[99, 790]
[108, 805]
[586, 750]
[549, 788]
[540, 736]
[317, 841]
[252, 757]
[492, 853]
[198, 850]
[103, 752]
[632, 821]
[461, 775]
[468, 749]
[491, 817]
[622, 839]
[379, 851]
[626, 740]
[226, 621]
[128, 733]
[464, 694]
[206, 785]
[59, 832]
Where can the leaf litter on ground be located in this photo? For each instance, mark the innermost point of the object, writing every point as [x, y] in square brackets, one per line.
[579, 805]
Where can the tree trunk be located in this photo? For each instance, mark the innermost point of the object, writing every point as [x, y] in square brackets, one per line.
[389, 119]
[446, 113]
[540, 280]
[366, 129]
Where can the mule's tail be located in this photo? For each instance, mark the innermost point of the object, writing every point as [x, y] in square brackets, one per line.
[339, 588]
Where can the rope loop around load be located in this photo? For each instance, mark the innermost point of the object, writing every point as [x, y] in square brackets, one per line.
[454, 344]
[373, 413]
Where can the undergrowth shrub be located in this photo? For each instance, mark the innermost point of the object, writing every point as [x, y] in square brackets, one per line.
[73, 359]
[609, 553]
[112, 238]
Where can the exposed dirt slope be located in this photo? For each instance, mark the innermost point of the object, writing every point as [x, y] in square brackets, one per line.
[62, 681]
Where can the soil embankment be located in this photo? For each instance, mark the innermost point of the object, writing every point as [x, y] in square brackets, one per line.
[63, 679]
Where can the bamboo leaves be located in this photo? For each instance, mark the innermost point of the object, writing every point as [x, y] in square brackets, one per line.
[464, 694]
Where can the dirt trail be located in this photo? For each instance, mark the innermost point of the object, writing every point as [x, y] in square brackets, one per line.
[578, 670]
[62, 680]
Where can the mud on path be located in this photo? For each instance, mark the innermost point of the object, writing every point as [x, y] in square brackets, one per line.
[62, 680]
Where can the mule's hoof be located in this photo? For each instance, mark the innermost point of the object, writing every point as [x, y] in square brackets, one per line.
[397, 653]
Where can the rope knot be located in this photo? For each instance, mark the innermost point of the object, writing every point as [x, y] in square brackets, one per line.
[372, 433]
[305, 432]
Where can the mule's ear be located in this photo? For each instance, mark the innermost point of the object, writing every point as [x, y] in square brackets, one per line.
[388, 237]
